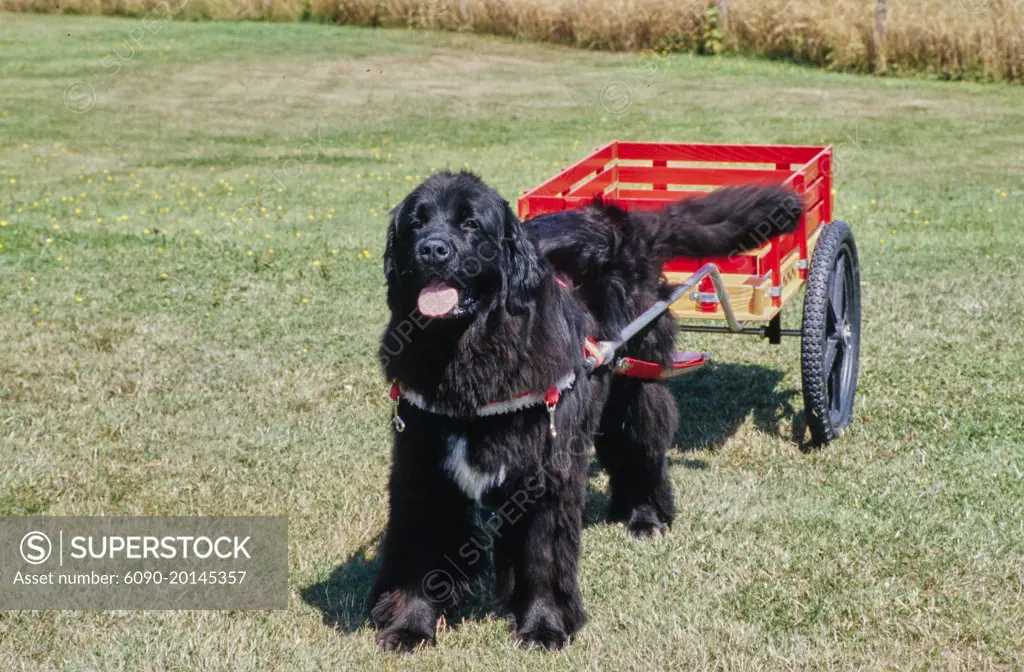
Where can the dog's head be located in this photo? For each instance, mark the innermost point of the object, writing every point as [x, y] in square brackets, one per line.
[455, 249]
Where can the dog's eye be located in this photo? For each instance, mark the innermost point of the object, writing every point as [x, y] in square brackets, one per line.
[415, 223]
[470, 224]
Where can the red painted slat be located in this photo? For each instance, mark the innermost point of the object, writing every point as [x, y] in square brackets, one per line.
[570, 175]
[649, 203]
[713, 177]
[717, 153]
[666, 196]
[542, 205]
[596, 185]
[814, 192]
[814, 217]
[738, 263]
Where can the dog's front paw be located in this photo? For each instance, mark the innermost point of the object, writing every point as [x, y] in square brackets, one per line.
[404, 640]
[542, 636]
[406, 621]
[645, 523]
[541, 627]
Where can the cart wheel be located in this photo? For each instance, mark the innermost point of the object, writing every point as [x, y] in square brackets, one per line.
[831, 333]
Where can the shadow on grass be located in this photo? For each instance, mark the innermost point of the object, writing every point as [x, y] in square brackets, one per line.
[342, 597]
[715, 402]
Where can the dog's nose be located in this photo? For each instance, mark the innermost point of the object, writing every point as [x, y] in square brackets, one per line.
[434, 251]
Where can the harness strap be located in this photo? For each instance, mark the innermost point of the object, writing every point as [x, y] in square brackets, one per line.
[682, 364]
[550, 398]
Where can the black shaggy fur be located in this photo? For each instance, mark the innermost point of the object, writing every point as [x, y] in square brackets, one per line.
[528, 296]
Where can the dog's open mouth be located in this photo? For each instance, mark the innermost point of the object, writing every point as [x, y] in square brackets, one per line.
[438, 299]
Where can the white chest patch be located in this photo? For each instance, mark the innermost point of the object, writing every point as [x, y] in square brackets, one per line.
[472, 481]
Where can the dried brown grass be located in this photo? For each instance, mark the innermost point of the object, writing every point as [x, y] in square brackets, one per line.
[954, 39]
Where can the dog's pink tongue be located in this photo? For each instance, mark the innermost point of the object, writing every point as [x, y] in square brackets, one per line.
[437, 299]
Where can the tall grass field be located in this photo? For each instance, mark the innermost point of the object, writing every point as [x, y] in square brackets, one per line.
[949, 39]
[172, 345]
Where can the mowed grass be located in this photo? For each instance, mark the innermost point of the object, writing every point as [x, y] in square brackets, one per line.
[169, 347]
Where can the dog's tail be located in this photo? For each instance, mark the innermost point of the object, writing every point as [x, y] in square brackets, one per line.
[601, 241]
[725, 222]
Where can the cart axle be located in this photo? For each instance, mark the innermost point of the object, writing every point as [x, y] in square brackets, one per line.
[763, 332]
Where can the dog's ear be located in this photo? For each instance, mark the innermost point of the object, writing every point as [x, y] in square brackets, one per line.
[389, 263]
[522, 269]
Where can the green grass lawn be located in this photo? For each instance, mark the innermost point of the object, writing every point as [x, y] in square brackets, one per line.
[171, 346]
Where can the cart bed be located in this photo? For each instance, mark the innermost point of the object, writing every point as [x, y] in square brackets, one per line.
[643, 175]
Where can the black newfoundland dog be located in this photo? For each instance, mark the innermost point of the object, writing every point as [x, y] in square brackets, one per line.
[493, 409]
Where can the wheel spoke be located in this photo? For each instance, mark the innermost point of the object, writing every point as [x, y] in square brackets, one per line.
[831, 350]
[848, 298]
[837, 293]
[835, 386]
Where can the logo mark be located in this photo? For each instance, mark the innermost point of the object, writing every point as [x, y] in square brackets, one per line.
[438, 586]
[36, 548]
[79, 96]
[616, 97]
[974, 6]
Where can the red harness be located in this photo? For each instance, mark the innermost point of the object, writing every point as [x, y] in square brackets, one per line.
[549, 398]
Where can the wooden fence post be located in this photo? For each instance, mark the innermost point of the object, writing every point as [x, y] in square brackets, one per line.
[881, 18]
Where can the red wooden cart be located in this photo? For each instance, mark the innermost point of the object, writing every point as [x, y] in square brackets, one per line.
[745, 287]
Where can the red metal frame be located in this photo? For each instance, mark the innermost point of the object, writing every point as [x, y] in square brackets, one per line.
[647, 175]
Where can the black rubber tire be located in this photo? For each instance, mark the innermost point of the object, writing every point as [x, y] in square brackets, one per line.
[831, 330]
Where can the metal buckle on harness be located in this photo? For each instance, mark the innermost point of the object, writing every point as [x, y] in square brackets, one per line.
[551, 398]
[396, 396]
